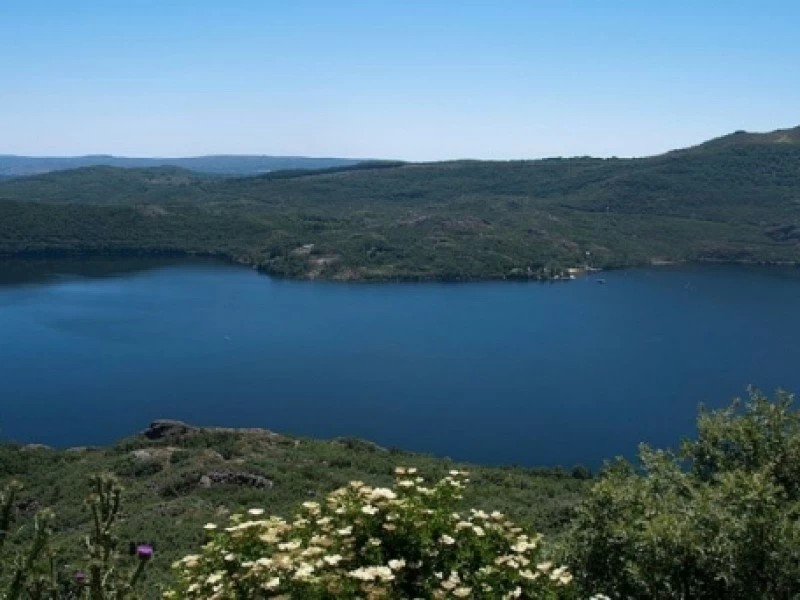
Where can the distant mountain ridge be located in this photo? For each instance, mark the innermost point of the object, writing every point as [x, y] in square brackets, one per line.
[220, 164]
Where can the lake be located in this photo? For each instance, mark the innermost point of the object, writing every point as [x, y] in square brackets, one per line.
[527, 373]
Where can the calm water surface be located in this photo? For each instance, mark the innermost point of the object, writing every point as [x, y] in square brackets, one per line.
[537, 374]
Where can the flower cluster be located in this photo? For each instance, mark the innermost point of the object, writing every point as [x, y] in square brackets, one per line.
[408, 541]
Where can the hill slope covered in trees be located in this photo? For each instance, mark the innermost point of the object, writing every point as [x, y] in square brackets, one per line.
[736, 198]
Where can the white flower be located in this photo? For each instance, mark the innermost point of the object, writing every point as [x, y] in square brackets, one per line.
[256, 512]
[209, 526]
[214, 577]
[446, 539]
[289, 546]
[369, 509]
[386, 493]
[396, 565]
[273, 583]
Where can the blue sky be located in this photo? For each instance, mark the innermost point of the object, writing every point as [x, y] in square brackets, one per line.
[418, 80]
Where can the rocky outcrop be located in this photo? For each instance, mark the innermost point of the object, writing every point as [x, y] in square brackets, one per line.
[169, 428]
[163, 428]
[232, 478]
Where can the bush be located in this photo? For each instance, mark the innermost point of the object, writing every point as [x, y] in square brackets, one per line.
[717, 520]
[403, 542]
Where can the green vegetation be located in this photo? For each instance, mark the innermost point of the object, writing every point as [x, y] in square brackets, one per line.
[37, 572]
[731, 199]
[184, 477]
[720, 518]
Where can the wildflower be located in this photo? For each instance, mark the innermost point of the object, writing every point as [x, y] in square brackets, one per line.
[558, 572]
[81, 577]
[446, 539]
[396, 565]
[256, 512]
[385, 493]
[209, 526]
[521, 546]
[229, 557]
[333, 560]
[289, 546]
[273, 583]
[462, 592]
[369, 509]
[400, 470]
[144, 551]
[406, 483]
[304, 572]
[345, 531]
[214, 577]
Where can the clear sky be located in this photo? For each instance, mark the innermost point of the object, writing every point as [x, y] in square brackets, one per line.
[418, 80]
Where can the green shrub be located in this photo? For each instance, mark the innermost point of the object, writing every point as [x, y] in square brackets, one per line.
[718, 520]
[365, 542]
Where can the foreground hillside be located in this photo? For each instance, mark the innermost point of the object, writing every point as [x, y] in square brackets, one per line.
[731, 199]
[252, 514]
[177, 478]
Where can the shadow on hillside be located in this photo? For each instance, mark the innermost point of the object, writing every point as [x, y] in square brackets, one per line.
[31, 270]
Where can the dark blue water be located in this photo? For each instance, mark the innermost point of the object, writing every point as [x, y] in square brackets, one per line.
[538, 374]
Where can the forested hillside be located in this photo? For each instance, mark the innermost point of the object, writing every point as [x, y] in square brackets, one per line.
[736, 198]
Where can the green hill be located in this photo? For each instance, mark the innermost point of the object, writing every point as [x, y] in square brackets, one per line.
[731, 199]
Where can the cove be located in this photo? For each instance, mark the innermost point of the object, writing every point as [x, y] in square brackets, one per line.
[92, 350]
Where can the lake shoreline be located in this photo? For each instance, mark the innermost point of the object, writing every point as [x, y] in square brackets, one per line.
[569, 274]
